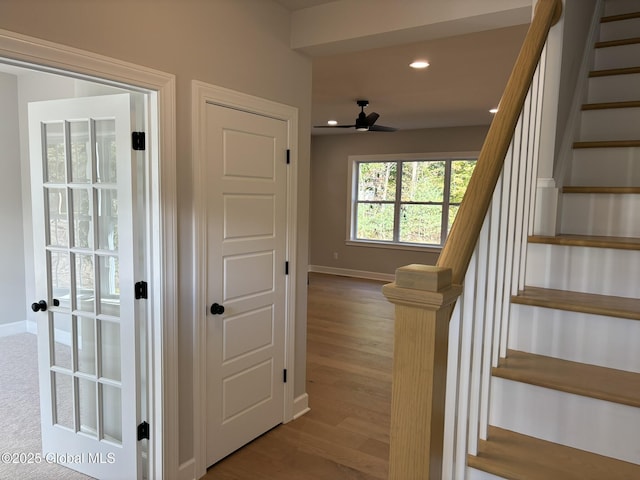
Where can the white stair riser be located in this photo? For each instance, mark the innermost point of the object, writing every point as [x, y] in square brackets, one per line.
[606, 167]
[601, 214]
[614, 88]
[473, 474]
[619, 30]
[578, 337]
[621, 6]
[586, 423]
[602, 271]
[622, 56]
[610, 124]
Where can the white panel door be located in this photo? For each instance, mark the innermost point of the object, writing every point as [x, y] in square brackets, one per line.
[82, 180]
[246, 246]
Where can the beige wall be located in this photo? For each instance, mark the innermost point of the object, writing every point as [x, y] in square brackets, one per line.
[12, 250]
[328, 210]
[238, 44]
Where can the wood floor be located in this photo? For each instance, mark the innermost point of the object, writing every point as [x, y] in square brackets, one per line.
[349, 358]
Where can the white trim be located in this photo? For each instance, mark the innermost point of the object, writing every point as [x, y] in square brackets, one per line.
[300, 406]
[42, 55]
[14, 328]
[546, 208]
[346, 272]
[187, 470]
[394, 246]
[201, 94]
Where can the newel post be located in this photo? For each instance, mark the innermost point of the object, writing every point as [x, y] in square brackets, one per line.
[424, 297]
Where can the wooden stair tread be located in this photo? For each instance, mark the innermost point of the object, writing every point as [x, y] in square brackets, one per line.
[595, 241]
[614, 71]
[593, 381]
[611, 105]
[612, 190]
[607, 305]
[515, 456]
[618, 43]
[607, 144]
[622, 16]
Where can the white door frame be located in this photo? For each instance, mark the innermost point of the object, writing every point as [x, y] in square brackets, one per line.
[201, 95]
[33, 53]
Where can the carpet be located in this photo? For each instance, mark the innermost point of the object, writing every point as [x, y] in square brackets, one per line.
[20, 414]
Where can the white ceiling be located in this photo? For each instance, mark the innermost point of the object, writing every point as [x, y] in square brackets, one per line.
[466, 77]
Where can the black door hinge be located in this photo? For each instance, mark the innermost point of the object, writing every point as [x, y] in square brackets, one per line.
[143, 431]
[286, 268]
[141, 290]
[288, 156]
[284, 375]
[138, 140]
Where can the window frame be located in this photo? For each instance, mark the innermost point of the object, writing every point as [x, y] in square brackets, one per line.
[352, 196]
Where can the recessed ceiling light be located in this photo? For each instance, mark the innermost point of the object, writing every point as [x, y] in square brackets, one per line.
[332, 122]
[493, 110]
[419, 64]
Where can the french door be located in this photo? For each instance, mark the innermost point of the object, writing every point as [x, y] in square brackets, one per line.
[85, 183]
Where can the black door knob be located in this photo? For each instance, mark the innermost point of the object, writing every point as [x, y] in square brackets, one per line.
[39, 306]
[217, 309]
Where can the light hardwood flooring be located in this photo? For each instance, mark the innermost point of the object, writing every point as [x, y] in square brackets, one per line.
[349, 358]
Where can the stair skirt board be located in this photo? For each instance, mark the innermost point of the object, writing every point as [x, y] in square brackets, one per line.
[617, 57]
[620, 7]
[610, 124]
[578, 337]
[585, 423]
[614, 88]
[603, 271]
[601, 214]
[619, 29]
[606, 167]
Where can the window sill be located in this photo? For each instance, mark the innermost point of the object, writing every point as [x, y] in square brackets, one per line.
[394, 246]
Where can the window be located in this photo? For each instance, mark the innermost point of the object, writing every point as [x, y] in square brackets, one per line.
[406, 200]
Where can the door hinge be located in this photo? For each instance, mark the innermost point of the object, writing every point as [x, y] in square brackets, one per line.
[141, 290]
[138, 140]
[143, 431]
[284, 375]
[288, 156]
[286, 268]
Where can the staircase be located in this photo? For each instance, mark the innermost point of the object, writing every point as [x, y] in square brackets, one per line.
[565, 402]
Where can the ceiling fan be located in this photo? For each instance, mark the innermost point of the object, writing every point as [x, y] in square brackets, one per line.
[364, 122]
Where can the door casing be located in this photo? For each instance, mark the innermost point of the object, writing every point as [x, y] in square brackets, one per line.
[201, 95]
[37, 54]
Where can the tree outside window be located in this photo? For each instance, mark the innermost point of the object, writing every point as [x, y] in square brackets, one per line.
[407, 201]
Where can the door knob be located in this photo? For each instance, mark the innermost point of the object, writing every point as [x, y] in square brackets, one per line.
[217, 309]
[39, 306]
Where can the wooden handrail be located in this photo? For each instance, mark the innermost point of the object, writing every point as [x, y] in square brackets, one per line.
[463, 237]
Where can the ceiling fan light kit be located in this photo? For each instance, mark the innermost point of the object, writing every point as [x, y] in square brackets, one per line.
[364, 123]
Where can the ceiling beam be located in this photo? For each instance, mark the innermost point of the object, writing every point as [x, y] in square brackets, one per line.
[352, 25]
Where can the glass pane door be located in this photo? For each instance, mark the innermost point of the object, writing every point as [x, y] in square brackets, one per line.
[84, 236]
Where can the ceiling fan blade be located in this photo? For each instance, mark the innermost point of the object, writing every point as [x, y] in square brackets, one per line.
[372, 118]
[381, 128]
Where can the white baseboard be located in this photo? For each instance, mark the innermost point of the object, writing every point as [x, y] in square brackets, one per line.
[346, 272]
[14, 328]
[32, 327]
[300, 406]
[187, 470]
